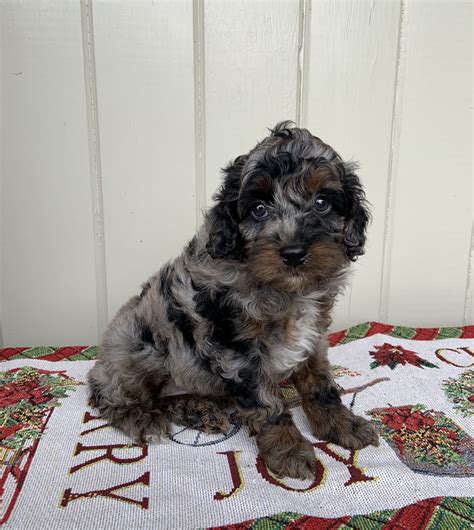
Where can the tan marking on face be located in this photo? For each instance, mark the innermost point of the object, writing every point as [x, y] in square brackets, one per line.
[266, 266]
[320, 178]
[264, 185]
[265, 263]
[258, 183]
[324, 259]
[326, 255]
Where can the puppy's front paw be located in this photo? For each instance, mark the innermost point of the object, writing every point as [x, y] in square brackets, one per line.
[364, 433]
[295, 462]
[355, 433]
[337, 424]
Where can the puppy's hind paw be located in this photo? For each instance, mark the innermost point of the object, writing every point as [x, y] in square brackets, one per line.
[197, 413]
[215, 424]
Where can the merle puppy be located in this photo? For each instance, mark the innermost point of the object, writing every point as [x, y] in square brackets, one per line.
[246, 305]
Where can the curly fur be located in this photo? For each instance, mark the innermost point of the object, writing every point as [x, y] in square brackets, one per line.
[230, 317]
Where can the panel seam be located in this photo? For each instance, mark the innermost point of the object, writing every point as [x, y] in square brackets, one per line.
[396, 118]
[468, 301]
[95, 167]
[304, 27]
[199, 110]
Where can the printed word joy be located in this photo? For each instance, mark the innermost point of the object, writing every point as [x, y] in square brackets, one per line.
[90, 455]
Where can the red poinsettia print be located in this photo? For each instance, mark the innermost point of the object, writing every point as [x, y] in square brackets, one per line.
[9, 430]
[391, 356]
[400, 417]
[28, 396]
[427, 441]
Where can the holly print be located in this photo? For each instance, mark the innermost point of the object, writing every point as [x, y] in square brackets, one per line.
[342, 371]
[461, 392]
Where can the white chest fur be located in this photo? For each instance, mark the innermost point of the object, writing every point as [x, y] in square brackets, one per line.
[297, 337]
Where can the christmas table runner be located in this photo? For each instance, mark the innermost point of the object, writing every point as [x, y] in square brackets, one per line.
[61, 466]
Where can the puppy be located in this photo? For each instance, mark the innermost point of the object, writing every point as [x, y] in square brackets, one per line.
[246, 305]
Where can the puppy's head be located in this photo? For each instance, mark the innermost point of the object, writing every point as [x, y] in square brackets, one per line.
[292, 209]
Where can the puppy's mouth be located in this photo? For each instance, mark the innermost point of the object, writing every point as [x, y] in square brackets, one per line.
[288, 272]
[295, 271]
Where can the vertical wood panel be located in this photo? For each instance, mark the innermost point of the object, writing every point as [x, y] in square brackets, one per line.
[173, 111]
[144, 61]
[90, 85]
[469, 302]
[48, 275]
[199, 109]
[352, 65]
[2, 44]
[432, 172]
[251, 76]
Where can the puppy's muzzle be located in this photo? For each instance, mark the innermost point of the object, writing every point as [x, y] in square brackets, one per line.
[293, 255]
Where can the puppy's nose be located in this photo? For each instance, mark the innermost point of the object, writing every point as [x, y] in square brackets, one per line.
[293, 255]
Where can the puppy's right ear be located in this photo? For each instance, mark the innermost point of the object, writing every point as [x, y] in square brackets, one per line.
[225, 240]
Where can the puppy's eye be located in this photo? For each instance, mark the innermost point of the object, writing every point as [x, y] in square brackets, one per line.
[322, 205]
[259, 212]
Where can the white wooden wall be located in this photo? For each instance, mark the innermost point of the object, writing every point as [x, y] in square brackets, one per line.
[117, 115]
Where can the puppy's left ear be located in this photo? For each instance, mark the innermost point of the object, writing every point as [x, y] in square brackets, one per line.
[357, 216]
[225, 240]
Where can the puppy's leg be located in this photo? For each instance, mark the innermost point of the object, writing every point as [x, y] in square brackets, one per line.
[281, 445]
[197, 412]
[127, 403]
[126, 380]
[329, 418]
